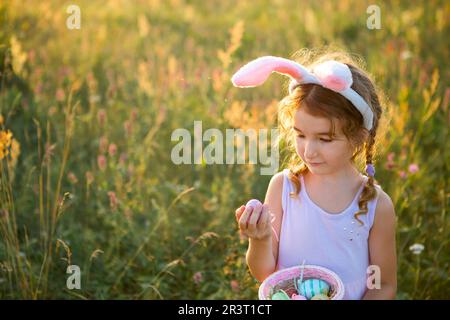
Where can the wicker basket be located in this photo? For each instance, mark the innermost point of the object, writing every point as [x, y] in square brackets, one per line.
[284, 279]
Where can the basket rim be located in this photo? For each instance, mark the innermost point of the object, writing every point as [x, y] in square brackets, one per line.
[297, 267]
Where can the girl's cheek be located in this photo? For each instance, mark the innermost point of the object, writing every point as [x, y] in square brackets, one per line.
[299, 149]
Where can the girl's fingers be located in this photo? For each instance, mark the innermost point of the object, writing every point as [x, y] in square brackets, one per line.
[244, 218]
[239, 211]
[263, 221]
[254, 218]
[264, 217]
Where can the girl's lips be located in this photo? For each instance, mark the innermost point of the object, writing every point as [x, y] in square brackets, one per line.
[315, 164]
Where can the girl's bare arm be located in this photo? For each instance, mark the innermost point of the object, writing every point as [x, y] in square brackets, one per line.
[382, 250]
[262, 251]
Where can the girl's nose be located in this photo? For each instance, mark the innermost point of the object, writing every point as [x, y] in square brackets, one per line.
[310, 150]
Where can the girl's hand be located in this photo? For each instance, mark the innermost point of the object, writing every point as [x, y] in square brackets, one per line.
[254, 222]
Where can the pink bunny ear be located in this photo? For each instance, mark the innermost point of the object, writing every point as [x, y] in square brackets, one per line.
[334, 75]
[257, 71]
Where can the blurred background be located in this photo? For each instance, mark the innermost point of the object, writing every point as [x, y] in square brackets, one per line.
[86, 117]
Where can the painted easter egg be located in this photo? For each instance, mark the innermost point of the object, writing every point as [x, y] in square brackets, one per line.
[253, 203]
[280, 295]
[320, 297]
[311, 287]
[298, 297]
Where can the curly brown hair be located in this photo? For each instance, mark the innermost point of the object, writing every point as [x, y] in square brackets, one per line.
[319, 101]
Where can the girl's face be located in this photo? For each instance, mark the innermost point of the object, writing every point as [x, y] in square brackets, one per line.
[321, 154]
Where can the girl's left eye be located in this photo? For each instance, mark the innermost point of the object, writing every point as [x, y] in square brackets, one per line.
[326, 140]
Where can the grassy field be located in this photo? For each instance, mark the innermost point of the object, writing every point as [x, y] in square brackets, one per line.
[86, 118]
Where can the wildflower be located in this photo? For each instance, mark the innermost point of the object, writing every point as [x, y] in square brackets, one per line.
[101, 117]
[112, 200]
[101, 161]
[234, 284]
[112, 150]
[5, 143]
[19, 57]
[416, 248]
[413, 168]
[60, 95]
[405, 55]
[197, 277]
[402, 174]
[72, 178]
[390, 164]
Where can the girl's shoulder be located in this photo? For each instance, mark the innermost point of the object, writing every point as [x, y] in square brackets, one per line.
[384, 203]
[383, 211]
[276, 183]
[384, 223]
[279, 179]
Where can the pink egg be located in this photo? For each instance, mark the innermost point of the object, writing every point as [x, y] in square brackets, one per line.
[298, 297]
[253, 203]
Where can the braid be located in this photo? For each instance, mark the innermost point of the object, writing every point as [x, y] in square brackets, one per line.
[294, 175]
[369, 191]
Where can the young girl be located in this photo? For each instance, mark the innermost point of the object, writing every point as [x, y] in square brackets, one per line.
[322, 209]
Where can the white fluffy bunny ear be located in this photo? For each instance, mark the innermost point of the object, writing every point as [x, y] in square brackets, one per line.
[257, 71]
[334, 75]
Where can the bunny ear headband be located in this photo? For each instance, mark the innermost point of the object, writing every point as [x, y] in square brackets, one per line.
[330, 74]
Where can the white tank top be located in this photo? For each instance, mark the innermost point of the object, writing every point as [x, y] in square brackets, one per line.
[335, 241]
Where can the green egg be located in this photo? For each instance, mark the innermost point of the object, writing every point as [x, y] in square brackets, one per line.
[280, 295]
[320, 297]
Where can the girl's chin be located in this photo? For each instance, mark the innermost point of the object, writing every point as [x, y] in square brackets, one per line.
[318, 169]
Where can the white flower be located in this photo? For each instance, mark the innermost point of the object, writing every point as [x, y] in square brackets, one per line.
[416, 248]
[406, 55]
